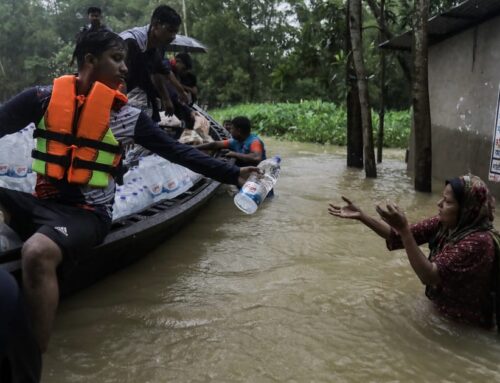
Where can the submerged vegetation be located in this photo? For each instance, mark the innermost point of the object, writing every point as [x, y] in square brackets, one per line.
[314, 121]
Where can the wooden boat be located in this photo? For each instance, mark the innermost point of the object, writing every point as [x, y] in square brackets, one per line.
[131, 237]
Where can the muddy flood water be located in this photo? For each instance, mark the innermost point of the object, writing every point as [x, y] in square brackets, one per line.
[290, 294]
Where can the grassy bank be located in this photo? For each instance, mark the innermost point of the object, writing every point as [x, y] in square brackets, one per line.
[314, 121]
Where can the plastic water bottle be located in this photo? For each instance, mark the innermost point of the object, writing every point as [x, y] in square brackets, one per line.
[7, 151]
[147, 196]
[183, 179]
[28, 144]
[15, 160]
[18, 156]
[258, 186]
[171, 183]
[132, 173]
[150, 170]
[120, 207]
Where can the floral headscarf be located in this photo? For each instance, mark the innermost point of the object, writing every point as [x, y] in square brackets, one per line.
[476, 207]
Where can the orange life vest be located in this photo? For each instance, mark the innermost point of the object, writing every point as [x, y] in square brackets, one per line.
[74, 140]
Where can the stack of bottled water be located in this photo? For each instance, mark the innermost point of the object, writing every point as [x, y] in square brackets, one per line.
[164, 179]
[154, 179]
[133, 195]
[258, 186]
[15, 160]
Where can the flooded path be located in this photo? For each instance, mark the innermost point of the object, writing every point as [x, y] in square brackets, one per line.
[289, 294]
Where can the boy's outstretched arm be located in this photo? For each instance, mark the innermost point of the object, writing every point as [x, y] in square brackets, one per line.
[215, 145]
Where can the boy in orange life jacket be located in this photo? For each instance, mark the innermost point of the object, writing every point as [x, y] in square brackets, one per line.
[247, 148]
[71, 208]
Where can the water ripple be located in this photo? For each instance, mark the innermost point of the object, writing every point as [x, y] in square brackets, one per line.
[289, 294]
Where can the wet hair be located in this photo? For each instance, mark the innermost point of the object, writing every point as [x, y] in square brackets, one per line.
[458, 188]
[164, 14]
[185, 58]
[95, 43]
[242, 123]
[94, 10]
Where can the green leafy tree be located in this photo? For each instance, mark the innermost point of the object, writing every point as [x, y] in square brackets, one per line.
[27, 44]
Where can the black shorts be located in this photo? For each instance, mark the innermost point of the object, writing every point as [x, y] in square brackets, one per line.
[72, 228]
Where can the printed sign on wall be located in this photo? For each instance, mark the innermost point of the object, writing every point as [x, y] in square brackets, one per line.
[494, 174]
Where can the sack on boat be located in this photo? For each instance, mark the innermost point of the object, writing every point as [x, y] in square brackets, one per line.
[190, 137]
[202, 127]
[169, 121]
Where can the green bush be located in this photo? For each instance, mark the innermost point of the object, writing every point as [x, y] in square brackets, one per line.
[314, 121]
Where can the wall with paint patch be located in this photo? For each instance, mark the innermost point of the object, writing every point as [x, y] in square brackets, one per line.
[464, 78]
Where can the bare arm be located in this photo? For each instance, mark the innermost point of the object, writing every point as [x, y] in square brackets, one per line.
[426, 270]
[351, 211]
[183, 97]
[193, 90]
[214, 145]
[160, 85]
[251, 158]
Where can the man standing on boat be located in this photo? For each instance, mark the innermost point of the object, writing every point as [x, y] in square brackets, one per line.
[82, 123]
[94, 15]
[149, 71]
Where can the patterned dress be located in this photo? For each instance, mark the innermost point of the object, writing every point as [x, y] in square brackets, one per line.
[465, 269]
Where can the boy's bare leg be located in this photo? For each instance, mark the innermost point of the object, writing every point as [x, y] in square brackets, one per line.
[40, 257]
[4, 215]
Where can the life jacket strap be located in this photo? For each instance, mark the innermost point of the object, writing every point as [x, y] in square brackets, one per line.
[90, 165]
[63, 161]
[69, 140]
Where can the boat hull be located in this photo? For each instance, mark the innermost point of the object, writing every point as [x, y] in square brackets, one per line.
[131, 237]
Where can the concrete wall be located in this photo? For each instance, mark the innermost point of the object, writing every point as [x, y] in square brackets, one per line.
[464, 78]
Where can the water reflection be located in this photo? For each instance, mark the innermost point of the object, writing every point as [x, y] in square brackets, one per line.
[289, 294]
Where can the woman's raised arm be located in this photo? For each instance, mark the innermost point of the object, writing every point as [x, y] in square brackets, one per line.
[351, 211]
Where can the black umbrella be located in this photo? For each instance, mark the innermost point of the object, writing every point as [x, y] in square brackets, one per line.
[186, 44]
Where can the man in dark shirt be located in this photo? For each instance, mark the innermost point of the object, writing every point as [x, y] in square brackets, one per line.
[94, 15]
[63, 217]
[148, 70]
[183, 69]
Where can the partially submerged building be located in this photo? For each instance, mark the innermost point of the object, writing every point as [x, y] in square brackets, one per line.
[464, 81]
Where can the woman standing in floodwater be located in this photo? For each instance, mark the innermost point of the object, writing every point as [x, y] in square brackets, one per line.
[459, 272]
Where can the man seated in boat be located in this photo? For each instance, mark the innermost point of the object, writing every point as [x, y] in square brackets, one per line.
[82, 122]
[227, 125]
[246, 147]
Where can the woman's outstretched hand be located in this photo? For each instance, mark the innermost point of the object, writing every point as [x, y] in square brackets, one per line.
[394, 216]
[350, 210]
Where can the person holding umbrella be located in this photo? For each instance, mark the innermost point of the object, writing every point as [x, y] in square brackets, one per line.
[182, 66]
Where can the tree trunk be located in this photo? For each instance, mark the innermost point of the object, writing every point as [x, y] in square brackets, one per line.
[381, 113]
[366, 118]
[354, 126]
[250, 63]
[421, 107]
